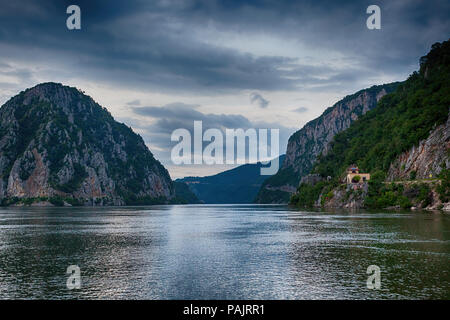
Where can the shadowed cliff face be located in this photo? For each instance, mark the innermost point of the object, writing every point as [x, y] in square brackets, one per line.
[404, 139]
[56, 141]
[427, 158]
[313, 140]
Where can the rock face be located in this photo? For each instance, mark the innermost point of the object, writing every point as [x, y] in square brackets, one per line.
[314, 138]
[311, 179]
[428, 158]
[57, 142]
[353, 196]
[349, 196]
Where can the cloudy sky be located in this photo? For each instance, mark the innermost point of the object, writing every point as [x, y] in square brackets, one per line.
[160, 65]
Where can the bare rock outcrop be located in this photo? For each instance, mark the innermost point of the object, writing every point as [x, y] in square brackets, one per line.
[314, 139]
[426, 159]
[57, 142]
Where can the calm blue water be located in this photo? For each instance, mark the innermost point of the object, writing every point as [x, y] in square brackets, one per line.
[221, 252]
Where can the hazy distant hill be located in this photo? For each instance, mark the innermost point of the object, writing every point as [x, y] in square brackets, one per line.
[238, 185]
[184, 195]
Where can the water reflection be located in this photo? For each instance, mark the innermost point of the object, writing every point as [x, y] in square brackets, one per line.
[221, 252]
[412, 251]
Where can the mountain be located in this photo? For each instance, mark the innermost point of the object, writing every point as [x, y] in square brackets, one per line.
[58, 145]
[238, 185]
[184, 195]
[404, 143]
[305, 145]
[426, 158]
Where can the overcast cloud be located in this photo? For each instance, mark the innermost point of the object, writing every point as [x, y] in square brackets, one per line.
[185, 45]
[170, 117]
[213, 55]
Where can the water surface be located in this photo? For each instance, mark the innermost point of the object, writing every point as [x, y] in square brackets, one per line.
[222, 252]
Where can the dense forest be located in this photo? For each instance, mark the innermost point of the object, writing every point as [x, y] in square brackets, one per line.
[400, 121]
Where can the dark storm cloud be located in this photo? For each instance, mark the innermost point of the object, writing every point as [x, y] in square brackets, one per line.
[408, 27]
[259, 100]
[173, 116]
[180, 115]
[154, 44]
[143, 46]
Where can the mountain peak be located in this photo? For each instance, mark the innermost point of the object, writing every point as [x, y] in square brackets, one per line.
[47, 90]
[69, 99]
[57, 142]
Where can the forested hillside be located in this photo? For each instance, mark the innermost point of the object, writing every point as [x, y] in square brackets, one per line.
[400, 121]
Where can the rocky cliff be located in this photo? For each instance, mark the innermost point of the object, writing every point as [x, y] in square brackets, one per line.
[403, 143]
[425, 160]
[415, 194]
[415, 177]
[314, 138]
[58, 145]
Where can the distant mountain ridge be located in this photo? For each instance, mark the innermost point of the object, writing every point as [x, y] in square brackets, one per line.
[184, 195]
[237, 185]
[305, 145]
[57, 145]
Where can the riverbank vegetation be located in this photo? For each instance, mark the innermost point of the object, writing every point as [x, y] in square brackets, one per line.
[376, 139]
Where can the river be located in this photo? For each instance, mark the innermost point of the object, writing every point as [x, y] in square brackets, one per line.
[222, 252]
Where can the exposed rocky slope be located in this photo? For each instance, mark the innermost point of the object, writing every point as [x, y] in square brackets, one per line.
[427, 159]
[313, 139]
[415, 194]
[414, 171]
[348, 196]
[404, 143]
[57, 144]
